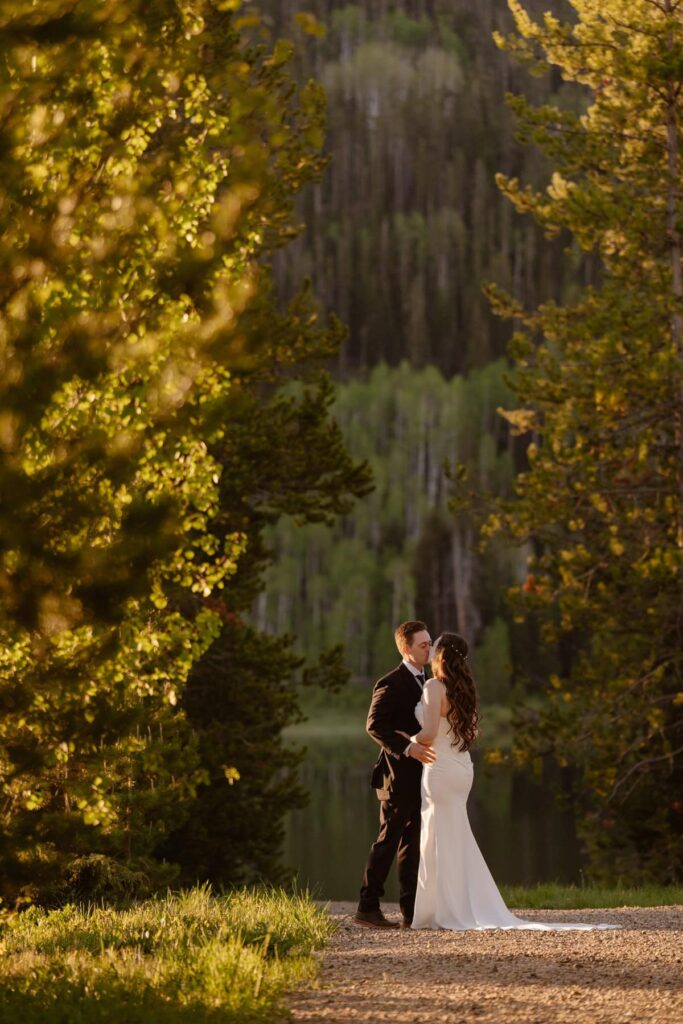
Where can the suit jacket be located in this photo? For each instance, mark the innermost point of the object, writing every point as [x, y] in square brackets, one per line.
[394, 697]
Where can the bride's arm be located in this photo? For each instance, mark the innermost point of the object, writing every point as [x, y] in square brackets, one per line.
[431, 701]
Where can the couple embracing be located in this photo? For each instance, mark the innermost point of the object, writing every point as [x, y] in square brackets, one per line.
[423, 776]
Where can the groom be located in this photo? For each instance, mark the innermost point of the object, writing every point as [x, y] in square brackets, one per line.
[396, 777]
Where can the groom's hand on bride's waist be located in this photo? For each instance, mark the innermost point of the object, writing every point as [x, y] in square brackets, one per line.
[420, 752]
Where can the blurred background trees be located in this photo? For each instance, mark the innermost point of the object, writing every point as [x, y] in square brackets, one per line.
[402, 548]
[403, 230]
[407, 223]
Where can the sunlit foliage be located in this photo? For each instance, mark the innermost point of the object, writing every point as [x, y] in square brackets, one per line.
[600, 389]
[150, 156]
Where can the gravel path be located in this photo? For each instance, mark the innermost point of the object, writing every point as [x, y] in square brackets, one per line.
[399, 977]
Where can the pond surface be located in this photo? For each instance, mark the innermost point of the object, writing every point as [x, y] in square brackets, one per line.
[524, 835]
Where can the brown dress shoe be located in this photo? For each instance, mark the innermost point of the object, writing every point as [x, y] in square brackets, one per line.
[373, 919]
[406, 924]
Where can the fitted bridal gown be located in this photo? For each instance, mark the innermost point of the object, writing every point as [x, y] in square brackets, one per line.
[455, 889]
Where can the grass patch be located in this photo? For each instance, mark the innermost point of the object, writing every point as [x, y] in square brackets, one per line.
[191, 958]
[552, 896]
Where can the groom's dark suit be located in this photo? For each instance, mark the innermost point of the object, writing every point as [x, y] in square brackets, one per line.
[397, 781]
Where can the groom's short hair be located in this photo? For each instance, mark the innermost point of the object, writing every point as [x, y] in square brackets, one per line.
[404, 633]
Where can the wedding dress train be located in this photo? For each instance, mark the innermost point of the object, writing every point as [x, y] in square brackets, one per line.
[455, 889]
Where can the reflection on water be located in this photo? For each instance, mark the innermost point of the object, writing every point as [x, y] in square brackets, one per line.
[523, 835]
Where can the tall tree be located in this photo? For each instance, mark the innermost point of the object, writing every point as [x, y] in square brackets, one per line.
[283, 456]
[150, 158]
[600, 385]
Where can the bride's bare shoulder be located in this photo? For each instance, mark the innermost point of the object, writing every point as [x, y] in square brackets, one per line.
[435, 685]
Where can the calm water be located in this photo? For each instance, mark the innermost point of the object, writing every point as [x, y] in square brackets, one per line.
[523, 834]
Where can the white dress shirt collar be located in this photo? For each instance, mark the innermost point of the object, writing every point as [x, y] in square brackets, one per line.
[411, 668]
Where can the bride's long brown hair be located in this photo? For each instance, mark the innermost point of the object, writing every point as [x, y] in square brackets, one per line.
[449, 665]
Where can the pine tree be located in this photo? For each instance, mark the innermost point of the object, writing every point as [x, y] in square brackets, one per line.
[283, 456]
[600, 387]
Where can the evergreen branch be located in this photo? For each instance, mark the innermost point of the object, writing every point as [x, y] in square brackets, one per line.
[642, 764]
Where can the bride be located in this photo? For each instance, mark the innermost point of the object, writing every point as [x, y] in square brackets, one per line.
[455, 889]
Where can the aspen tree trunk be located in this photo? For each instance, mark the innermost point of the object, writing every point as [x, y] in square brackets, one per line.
[396, 596]
[461, 556]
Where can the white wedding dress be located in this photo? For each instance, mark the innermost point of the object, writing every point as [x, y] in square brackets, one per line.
[455, 889]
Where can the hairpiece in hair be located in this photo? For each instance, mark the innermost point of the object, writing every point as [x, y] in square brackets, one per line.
[449, 645]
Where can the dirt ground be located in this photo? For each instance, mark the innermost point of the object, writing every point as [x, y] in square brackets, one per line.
[634, 974]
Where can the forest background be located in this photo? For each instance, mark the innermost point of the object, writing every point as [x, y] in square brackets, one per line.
[400, 237]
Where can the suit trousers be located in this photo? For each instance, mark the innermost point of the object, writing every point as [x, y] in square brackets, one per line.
[399, 833]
